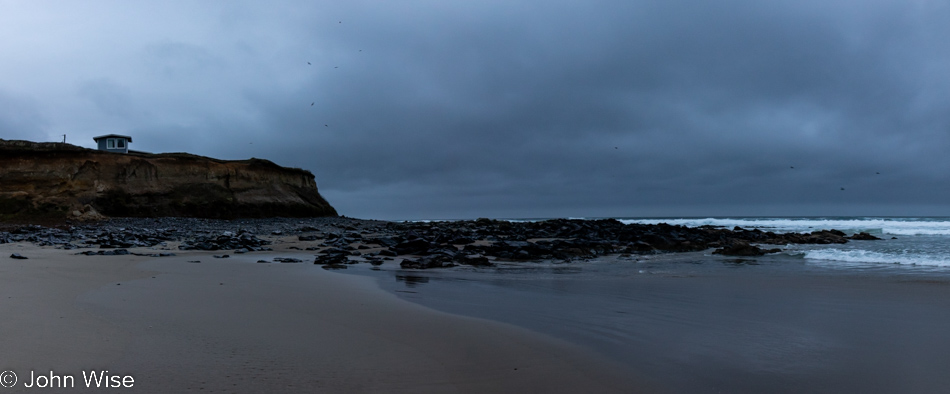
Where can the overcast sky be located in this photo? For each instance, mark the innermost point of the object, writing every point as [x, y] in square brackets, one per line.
[462, 109]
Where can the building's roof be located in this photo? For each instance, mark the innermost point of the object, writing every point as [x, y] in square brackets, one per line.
[111, 136]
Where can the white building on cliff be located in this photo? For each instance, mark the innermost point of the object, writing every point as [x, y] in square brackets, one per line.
[113, 143]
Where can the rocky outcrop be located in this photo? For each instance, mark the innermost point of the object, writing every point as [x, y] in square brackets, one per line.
[864, 237]
[55, 180]
[338, 242]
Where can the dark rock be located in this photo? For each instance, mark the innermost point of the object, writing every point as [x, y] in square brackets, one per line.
[641, 247]
[415, 246]
[116, 252]
[333, 266]
[154, 254]
[226, 241]
[826, 237]
[426, 262]
[18, 256]
[744, 249]
[384, 241]
[864, 237]
[475, 260]
[436, 244]
[409, 263]
[332, 259]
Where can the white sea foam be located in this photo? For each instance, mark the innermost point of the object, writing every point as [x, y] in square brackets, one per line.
[872, 257]
[889, 226]
[876, 226]
[935, 230]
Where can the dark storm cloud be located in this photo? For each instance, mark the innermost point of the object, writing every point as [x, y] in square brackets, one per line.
[434, 109]
[607, 108]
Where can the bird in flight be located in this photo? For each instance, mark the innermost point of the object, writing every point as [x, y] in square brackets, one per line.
[311, 104]
[326, 125]
[842, 188]
[308, 63]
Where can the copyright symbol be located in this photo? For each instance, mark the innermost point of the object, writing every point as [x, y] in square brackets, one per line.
[7, 379]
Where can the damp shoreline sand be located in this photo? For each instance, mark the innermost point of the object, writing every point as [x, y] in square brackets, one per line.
[232, 325]
[702, 323]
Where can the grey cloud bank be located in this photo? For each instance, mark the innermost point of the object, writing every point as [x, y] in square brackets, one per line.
[513, 109]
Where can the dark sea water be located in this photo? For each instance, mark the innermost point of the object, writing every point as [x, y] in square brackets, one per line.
[867, 316]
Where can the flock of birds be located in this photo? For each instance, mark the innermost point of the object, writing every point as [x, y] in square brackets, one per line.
[327, 125]
[793, 167]
[876, 173]
[314, 102]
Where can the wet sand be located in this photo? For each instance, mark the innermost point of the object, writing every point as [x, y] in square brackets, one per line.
[695, 323]
[232, 325]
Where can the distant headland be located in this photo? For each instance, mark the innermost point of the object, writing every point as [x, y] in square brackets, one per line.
[55, 181]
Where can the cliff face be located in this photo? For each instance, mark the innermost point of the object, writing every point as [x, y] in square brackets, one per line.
[50, 180]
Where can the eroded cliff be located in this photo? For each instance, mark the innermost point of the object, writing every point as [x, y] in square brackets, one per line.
[55, 180]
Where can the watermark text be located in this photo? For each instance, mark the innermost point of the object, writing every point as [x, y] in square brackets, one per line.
[52, 379]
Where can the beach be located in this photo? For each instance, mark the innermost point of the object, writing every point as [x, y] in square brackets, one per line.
[234, 325]
[346, 305]
[695, 323]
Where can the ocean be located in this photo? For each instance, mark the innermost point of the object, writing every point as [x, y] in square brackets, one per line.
[918, 242]
[866, 316]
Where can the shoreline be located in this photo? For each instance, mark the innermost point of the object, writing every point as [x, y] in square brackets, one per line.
[235, 325]
[698, 323]
[619, 313]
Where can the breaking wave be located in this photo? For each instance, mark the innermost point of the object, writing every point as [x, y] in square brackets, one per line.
[879, 226]
[872, 257]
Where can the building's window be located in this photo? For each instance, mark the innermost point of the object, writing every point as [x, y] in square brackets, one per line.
[110, 143]
[120, 143]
